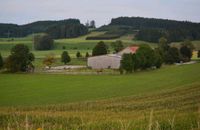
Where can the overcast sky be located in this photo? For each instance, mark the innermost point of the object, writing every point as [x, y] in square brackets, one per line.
[26, 11]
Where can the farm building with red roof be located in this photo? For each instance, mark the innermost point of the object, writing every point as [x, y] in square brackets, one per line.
[110, 61]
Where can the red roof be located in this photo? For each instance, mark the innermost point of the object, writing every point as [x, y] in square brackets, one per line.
[133, 49]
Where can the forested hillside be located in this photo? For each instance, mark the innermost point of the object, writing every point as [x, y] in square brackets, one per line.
[57, 29]
[151, 29]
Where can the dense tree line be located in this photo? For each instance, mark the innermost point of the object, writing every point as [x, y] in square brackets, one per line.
[112, 32]
[64, 28]
[67, 31]
[171, 55]
[151, 29]
[146, 57]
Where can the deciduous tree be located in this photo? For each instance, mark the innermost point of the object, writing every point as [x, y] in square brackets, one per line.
[186, 50]
[100, 49]
[127, 63]
[20, 59]
[49, 60]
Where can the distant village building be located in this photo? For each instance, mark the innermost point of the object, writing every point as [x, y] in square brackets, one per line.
[110, 61]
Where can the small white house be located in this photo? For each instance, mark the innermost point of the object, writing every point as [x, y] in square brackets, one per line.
[110, 61]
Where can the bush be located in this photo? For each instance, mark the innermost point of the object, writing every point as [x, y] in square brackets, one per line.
[78, 54]
[100, 49]
[43, 42]
[64, 47]
[65, 58]
[49, 60]
[20, 59]
[87, 55]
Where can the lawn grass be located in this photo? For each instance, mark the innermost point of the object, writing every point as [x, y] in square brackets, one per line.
[38, 89]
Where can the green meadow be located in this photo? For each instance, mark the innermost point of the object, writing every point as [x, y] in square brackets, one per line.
[40, 89]
[165, 99]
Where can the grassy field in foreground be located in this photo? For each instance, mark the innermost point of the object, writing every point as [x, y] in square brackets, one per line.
[165, 99]
[38, 89]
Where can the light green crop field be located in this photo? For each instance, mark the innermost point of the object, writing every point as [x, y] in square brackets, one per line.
[72, 45]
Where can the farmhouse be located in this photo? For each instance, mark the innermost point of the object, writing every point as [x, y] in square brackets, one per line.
[110, 61]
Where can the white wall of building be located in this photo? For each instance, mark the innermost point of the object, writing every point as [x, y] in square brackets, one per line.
[104, 62]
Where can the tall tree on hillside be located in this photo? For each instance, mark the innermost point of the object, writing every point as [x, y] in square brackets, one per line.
[65, 58]
[117, 46]
[20, 59]
[1, 61]
[100, 49]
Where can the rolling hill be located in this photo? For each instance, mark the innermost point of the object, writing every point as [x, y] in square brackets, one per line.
[14, 30]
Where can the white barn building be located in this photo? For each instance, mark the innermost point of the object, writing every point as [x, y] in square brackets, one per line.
[110, 61]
